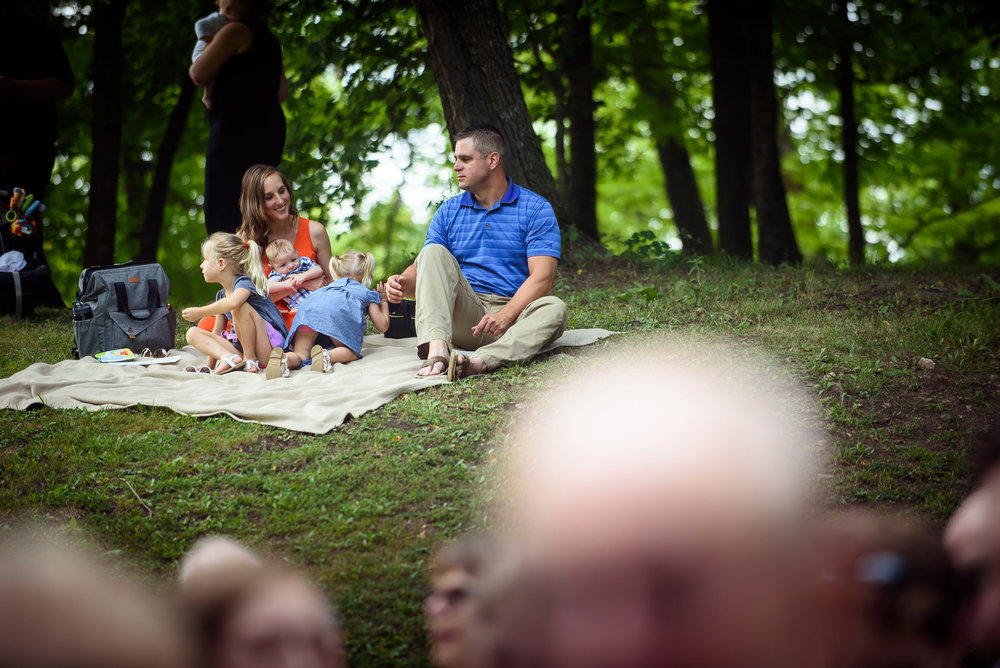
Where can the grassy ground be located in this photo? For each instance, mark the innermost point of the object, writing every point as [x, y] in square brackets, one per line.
[364, 507]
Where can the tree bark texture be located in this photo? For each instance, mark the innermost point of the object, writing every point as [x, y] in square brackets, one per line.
[685, 199]
[728, 47]
[152, 226]
[666, 125]
[106, 128]
[849, 138]
[775, 238]
[554, 80]
[578, 50]
[474, 69]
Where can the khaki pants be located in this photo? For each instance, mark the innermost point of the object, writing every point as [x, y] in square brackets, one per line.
[448, 308]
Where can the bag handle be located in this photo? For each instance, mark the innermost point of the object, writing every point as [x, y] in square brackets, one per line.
[152, 299]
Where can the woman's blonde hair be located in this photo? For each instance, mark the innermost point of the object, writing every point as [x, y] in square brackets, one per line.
[255, 225]
[355, 265]
[245, 255]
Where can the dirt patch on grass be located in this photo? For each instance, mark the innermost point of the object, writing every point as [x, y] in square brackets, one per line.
[912, 446]
[402, 424]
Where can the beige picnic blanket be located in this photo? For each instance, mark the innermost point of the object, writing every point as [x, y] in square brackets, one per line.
[304, 401]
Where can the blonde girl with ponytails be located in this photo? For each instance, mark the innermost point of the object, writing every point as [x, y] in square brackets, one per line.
[329, 326]
[235, 264]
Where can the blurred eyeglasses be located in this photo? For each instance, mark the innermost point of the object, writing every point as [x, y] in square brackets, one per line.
[452, 596]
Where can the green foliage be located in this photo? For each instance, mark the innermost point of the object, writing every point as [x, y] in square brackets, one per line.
[928, 180]
[389, 233]
[360, 84]
[645, 245]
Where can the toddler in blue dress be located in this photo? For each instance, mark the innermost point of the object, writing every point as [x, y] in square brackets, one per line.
[329, 326]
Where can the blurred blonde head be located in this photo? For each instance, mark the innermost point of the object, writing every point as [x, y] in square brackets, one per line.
[213, 557]
[244, 613]
[61, 605]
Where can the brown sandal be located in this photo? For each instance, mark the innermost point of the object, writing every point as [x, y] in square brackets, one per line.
[320, 360]
[458, 366]
[430, 362]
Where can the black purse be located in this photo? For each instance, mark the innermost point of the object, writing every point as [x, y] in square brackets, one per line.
[401, 320]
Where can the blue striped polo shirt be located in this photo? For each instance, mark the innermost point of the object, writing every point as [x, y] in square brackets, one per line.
[493, 245]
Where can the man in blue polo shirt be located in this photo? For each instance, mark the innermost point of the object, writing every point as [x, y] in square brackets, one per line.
[483, 277]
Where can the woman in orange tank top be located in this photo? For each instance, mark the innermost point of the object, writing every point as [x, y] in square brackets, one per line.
[269, 213]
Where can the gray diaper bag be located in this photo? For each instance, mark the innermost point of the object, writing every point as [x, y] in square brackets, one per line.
[123, 306]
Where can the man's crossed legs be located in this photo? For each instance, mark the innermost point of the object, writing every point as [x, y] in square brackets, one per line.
[448, 309]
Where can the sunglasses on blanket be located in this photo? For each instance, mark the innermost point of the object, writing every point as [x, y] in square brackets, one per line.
[159, 353]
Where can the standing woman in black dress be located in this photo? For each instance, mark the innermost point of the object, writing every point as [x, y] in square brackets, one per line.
[242, 64]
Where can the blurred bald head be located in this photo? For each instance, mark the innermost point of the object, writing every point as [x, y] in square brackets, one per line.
[651, 436]
[662, 497]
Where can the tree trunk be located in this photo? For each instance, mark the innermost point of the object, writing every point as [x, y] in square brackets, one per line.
[775, 239]
[106, 131]
[849, 138]
[685, 199]
[666, 124]
[474, 70]
[579, 66]
[554, 79]
[152, 224]
[731, 103]
[132, 182]
[562, 167]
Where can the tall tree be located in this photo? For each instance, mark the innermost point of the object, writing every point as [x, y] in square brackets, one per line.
[849, 135]
[579, 67]
[152, 223]
[728, 47]
[775, 238]
[106, 124]
[554, 79]
[474, 69]
[667, 127]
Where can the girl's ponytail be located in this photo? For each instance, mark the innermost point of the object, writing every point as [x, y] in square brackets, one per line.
[254, 267]
[368, 270]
